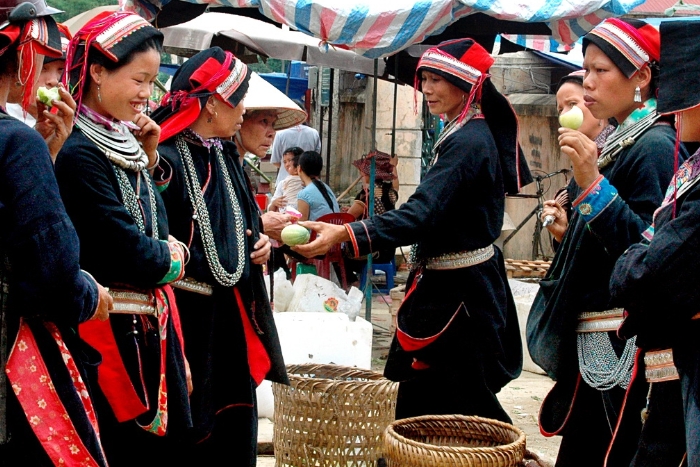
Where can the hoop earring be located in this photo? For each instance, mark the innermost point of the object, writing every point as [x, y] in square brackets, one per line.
[99, 95]
[216, 115]
[637, 94]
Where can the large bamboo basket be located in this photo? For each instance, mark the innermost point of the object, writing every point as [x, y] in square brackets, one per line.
[453, 440]
[331, 415]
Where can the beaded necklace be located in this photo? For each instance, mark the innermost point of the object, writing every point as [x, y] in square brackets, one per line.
[627, 133]
[124, 152]
[201, 215]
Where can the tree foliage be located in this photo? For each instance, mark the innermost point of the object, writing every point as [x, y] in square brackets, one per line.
[75, 7]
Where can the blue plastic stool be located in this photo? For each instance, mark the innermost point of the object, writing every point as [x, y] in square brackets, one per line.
[389, 270]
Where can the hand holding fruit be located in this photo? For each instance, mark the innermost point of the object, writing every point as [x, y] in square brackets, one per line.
[578, 147]
[327, 235]
[55, 117]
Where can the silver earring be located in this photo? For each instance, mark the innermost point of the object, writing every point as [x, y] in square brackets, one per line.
[600, 123]
[637, 94]
[99, 95]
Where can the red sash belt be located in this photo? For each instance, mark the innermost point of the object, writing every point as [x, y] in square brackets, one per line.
[47, 416]
[112, 375]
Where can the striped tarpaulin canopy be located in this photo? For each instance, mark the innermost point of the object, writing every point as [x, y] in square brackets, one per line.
[379, 28]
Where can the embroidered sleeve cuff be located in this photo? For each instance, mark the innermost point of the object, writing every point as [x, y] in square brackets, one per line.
[595, 199]
[162, 175]
[177, 263]
[353, 241]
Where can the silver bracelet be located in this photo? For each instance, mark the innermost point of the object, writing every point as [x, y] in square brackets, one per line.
[155, 164]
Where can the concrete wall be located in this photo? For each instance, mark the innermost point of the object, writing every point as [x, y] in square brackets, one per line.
[352, 130]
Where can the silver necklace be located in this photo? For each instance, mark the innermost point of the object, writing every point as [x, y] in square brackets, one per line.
[120, 146]
[599, 365]
[131, 199]
[201, 215]
[102, 137]
[618, 141]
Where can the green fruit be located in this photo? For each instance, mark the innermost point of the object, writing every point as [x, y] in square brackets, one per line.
[295, 235]
[47, 96]
[572, 119]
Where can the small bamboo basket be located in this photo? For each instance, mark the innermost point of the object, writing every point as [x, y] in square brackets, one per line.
[331, 415]
[453, 440]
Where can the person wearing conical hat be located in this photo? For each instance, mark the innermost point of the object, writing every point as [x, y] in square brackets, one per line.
[47, 416]
[572, 327]
[656, 279]
[230, 334]
[457, 341]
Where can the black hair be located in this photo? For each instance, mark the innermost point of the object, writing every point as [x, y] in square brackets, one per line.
[311, 163]
[9, 61]
[296, 152]
[576, 79]
[97, 57]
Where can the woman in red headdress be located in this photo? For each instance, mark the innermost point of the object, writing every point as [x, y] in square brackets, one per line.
[231, 337]
[572, 328]
[46, 412]
[457, 341]
[104, 173]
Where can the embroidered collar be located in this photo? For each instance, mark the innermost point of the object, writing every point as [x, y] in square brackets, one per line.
[110, 124]
[649, 107]
[626, 134]
[196, 138]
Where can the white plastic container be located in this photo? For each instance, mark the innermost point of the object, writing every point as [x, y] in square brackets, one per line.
[319, 337]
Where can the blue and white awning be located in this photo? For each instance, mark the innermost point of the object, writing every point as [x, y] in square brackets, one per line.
[379, 28]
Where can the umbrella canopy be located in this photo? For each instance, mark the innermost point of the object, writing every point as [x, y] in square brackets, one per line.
[243, 35]
[381, 28]
[78, 21]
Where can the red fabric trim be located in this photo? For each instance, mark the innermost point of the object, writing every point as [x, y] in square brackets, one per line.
[353, 240]
[188, 113]
[588, 190]
[566, 419]
[46, 414]
[635, 368]
[210, 74]
[369, 239]
[409, 343]
[175, 315]
[477, 57]
[111, 374]
[258, 360]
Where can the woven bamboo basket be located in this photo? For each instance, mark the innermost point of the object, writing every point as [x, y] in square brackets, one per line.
[453, 440]
[331, 415]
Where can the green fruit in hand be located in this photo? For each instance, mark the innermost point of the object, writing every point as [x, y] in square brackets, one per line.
[572, 119]
[47, 96]
[295, 235]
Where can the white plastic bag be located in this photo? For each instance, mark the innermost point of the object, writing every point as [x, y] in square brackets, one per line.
[316, 294]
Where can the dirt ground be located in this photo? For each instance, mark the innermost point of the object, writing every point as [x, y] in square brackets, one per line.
[521, 398]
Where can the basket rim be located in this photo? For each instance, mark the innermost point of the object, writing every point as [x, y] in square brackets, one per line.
[370, 375]
[521, 440]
